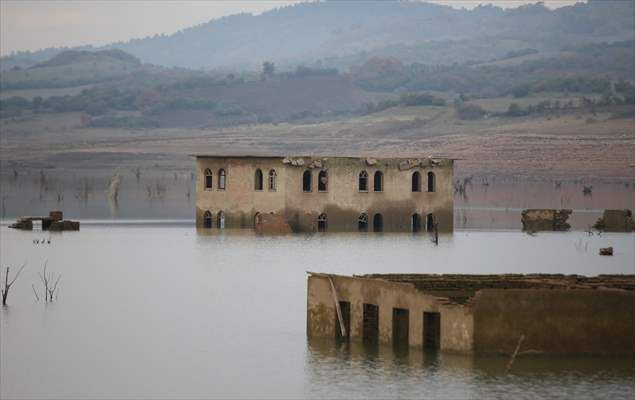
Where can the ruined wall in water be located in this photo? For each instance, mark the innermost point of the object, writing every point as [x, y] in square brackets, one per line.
[555, 321]
[239, 201]
[456, 321]
[342, 202]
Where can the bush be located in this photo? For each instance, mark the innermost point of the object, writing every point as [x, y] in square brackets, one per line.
[468, 111]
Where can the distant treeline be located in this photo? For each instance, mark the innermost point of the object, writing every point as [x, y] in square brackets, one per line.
[99, 101]
[584, 70]
[407, 100]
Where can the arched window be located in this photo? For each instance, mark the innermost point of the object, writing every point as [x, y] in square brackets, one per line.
[378, 223]
[430, 222]
[207, 220]
[306, 181]
[431, 182]
[323, 180]
[258, 180]
[221, 179]
[362, 222]
[208, 178]
[416, 181]
[221, 219]
[272, 180]
[378, 181]
[416, 222]
[322, 223]
[363, 181]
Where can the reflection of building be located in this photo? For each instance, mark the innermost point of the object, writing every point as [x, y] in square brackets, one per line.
[477, 313]
[324, 193]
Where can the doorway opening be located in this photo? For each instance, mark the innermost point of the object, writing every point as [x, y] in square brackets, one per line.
[400, 326]
[416, 223]
[370, 332]
[431, 330]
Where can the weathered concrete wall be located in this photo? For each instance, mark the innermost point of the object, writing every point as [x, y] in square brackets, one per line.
[555, 321]
[616, 221]
[456, 321]
[342, 201]
[545, 220]
[239, 201]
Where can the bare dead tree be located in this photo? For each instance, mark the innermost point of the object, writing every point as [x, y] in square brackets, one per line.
[7, 284]
[37, 298]
[50, 282]
[113, 188]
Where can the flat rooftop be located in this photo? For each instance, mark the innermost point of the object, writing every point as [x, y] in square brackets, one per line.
[361, 156]
[459, 288]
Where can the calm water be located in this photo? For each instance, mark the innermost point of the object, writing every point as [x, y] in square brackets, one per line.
[159, 310]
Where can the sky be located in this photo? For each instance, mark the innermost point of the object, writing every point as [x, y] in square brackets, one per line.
[37, 24]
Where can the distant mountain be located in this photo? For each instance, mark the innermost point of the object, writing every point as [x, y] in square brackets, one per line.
[340, 34]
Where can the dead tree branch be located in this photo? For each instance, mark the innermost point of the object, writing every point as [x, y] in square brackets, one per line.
[7, 284]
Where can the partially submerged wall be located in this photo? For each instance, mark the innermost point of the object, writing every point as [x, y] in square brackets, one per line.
[456, 321]
[341, 201]
[616, 221]
[534, 220]
[486, 314]
[597, 321]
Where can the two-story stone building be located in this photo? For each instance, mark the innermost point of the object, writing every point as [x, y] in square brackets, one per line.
[307, 194]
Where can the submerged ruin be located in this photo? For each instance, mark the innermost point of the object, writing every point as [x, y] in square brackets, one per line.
[276, 194]
[615, 221]
[54, 222]
[477, 314]
[545, 219]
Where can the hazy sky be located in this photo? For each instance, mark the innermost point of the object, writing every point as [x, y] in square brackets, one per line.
[36, 24]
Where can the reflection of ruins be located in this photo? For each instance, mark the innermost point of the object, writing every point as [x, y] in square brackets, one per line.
[481, 314]
[307, 194]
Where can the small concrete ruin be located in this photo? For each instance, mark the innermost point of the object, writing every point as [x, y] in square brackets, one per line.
[477, 314]
[54, 222]
[545, 219]
[615, 221]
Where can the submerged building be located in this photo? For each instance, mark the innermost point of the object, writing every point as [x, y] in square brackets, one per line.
[308, 194]
[477, 314]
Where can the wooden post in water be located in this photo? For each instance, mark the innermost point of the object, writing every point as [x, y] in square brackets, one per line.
[337, 308]
[511, 360]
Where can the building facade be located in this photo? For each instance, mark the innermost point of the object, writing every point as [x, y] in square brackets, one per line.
[308, 194]
[477, 314]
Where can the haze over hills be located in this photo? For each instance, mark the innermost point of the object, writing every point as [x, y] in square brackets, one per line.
[340, 34]
[403, 76]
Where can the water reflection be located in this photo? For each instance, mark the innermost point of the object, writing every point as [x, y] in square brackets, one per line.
[356, 369]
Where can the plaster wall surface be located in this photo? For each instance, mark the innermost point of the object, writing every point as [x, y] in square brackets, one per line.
[555, 321]
[456, 321]
[341, 201]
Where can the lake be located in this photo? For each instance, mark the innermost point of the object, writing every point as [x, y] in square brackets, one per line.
[157, 309]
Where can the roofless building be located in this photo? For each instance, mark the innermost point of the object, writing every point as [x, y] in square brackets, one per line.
[308, 194]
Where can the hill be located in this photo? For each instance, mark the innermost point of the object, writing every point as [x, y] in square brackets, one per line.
[340, 34]
[72, 68]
